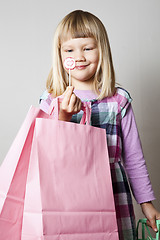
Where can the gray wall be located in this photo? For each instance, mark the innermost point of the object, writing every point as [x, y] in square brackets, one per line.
[26, 31]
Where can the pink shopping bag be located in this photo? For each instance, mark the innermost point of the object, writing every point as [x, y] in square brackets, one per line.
[69, 191]
[13, 176]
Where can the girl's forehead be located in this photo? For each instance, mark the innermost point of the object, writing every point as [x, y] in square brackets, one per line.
[78, 41]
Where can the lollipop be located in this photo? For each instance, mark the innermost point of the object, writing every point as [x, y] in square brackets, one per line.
[69, 64]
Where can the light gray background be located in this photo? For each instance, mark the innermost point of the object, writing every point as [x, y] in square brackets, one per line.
[26, 32]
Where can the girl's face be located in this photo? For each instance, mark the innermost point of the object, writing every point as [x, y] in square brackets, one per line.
[86, 55]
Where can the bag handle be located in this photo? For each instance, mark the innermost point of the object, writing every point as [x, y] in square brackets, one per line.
[85, 107]
[143, 222]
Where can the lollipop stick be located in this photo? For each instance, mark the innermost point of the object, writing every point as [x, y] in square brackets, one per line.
[69, 77]
[69, 64]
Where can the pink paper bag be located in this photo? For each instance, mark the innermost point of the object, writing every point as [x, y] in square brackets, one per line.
[69, 191]
[13, 177]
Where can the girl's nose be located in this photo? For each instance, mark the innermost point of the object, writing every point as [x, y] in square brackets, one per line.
[79, 56]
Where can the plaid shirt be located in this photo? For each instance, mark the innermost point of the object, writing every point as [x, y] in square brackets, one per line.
[107, 114]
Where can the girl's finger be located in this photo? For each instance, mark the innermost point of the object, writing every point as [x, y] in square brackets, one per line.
[152, 224]
[67, 90]
[67, 97]
[73, 101]
[80, 104]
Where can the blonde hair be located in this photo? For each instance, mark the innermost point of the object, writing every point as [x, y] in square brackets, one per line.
[82, 24]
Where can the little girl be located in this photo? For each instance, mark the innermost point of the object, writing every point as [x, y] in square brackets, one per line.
[82, 35]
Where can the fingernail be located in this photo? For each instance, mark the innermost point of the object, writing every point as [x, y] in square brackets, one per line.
[71, 87]
[155, 229]
[68, 88]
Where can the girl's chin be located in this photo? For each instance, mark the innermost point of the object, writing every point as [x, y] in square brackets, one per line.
[82, 79]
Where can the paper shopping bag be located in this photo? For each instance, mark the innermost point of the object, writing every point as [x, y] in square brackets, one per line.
[13, 176]
[69, 191]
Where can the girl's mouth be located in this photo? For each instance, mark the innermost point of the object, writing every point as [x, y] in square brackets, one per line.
[80, 67]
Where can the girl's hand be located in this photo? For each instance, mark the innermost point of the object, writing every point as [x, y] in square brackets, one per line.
[70, 105]
[151, 214]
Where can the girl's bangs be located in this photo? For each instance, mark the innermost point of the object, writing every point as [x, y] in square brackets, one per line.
[77, 29]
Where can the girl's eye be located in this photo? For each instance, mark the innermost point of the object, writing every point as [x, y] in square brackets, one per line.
[88, 49]
[69, 50]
